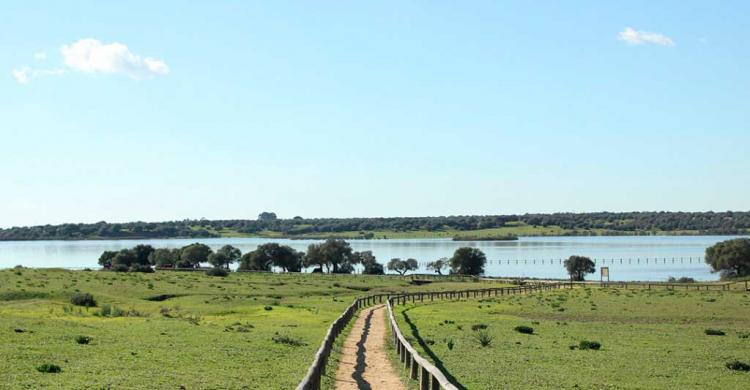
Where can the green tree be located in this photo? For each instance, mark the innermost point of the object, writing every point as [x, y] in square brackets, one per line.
[468, 261]
[438, 265]
[194, 254]
[164, 257]
[105, 260]
[402, 266]
[272, 254]
[225, 256]
[731, 257]
[333, 254]
[141, 253]
[578, 267]
[370, 263]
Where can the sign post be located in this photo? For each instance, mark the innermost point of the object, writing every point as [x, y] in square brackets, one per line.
[604, 274]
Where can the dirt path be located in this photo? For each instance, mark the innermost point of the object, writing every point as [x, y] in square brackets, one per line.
[364, 363]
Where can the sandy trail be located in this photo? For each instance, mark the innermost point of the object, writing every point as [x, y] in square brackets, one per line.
[364, 363]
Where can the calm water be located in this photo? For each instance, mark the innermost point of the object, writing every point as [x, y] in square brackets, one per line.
[534, 250]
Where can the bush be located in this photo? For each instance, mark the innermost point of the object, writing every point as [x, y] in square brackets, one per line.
[477, 327]
[83, 299]
[484, 338]
[105, 311]
[714, 332]
[281, 339]
[120, 268]
[141, 268]
[268, 308]
[738, 366]
[524, 329]
[585, 344]
[217, 272]
[49, 368]
[83, 339]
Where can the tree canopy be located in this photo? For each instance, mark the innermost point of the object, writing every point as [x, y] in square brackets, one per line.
[335, 255]
[272, 254]
[224, 257]
[731, 257]
[578, 267]
[192, 255]
[438, 265]
[402, 266]
[468, 261]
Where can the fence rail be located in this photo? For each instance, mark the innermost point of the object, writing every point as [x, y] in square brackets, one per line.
[429, 376]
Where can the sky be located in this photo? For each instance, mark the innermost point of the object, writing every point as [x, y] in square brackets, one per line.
[170, 110]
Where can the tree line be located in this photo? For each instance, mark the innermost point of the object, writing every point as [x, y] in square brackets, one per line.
[728, 222]
[330, 256]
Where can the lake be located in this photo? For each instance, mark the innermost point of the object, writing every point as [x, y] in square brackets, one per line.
[652, 258]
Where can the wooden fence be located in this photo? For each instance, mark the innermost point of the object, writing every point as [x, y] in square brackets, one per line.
[429, 376]
[312, 380]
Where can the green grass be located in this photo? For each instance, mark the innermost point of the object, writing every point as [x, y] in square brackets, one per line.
[650, 339]
[518, 230]
[168, 329]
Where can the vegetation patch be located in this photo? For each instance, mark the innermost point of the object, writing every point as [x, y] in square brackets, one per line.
[288, 340]
[738, 366]
[83, 299]
[714, 332]
[83, 339]
[21, 295]
[49, 368]
[585, 345]
[524, 329]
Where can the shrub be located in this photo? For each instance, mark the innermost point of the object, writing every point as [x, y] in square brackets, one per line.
[268, 308]
[141, 268]
[585, 344]
[738, 366]
[524, 329]
[83, 299]
[120, 268]
[477, 327]
[83, 339]
[282, 339]
[217, 272]
[450, 344]
[49, 368]
[105, 311]
[484, 338]
[714, 332]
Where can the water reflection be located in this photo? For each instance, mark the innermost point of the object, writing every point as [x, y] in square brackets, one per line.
[86, 253]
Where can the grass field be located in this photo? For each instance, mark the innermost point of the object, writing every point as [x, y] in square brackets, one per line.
[650, 339]
[197, 331]
[511, 230]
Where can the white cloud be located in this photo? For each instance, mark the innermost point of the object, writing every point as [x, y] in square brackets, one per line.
[635, 37]
[25, 74]
[22, 75]
[41, 56]
[91, 56]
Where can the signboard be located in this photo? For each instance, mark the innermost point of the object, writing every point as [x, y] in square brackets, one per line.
[605, 273]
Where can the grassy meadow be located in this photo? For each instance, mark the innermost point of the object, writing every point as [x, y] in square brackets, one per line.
[171, 329]
[649, 339]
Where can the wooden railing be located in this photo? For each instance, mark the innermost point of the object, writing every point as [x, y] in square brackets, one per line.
[312, 380]
[429, 376]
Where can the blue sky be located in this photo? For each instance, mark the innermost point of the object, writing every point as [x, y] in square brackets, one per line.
[163, 110]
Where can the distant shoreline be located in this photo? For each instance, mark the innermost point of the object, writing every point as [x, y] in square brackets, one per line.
[411, 236]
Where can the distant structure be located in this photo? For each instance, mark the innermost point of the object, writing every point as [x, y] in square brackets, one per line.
[266, 216]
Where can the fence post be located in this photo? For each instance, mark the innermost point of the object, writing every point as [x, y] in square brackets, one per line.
[413, 373]
[424, 380]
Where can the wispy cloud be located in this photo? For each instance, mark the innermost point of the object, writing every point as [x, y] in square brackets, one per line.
[632, 36]
[25, 74]
[92, 56]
